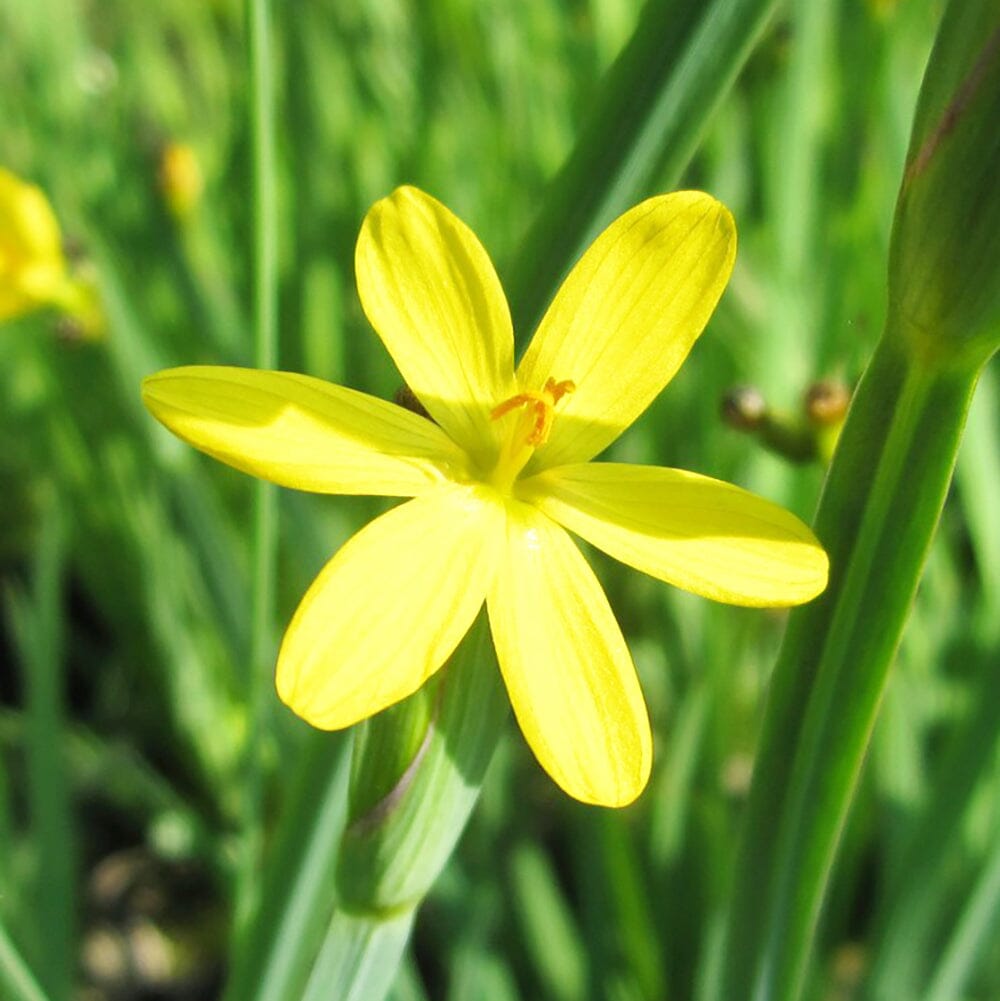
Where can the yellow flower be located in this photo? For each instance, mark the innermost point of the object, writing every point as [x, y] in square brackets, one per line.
[33, 272]
[32, 268]
[499, 475]
[180, 179]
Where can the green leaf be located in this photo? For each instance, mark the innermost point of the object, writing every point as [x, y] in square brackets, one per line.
[275, 957]
[549, 932]
[37, 625]
[264, 547]
[912, 906]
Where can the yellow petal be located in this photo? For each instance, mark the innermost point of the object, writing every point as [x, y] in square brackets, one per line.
[302, 432]
[626, 317]
[30, 229]
[388, 610]
[698, 533]
[430, 291]
[567, 669]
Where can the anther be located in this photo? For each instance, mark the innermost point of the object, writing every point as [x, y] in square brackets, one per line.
[557, 390]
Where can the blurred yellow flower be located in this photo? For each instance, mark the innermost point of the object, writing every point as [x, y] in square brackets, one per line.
[33, 271]
[32, 267]
[180, 179]
[498, 476]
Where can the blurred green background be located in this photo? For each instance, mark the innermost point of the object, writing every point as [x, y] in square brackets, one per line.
[125, 556]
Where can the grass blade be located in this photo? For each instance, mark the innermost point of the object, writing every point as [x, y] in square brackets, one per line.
[274, 960]
[37, 625]
[16, 980]
[265, 516]
[654, 107]
[975, 929]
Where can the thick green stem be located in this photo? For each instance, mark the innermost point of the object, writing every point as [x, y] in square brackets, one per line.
[339, 901]
[359, 958]
[396, 845]
[877, 516]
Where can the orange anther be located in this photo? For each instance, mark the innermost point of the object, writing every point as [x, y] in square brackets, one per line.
[543, 424]
[557, 390]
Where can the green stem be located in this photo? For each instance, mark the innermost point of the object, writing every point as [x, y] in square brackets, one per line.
[265, 206]
[877, 516]
[339, 903]
[264, 546]
[359, 958]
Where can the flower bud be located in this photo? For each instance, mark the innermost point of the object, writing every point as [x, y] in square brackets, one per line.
[180, 179]
[944, 268]
[825, 406]
[744, 408]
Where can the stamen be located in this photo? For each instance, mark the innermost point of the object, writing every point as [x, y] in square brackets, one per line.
[543, 403]
[530, 429]
[557, 390]
[512, 404]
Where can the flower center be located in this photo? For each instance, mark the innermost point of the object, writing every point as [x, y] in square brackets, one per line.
[529, 431]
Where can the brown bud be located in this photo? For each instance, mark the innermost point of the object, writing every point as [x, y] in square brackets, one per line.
[826, 401]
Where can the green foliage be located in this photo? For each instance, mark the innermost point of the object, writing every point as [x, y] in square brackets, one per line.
[138, 747]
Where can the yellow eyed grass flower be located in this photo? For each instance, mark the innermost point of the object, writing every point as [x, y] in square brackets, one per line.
[33, 271]
[32, 267]
[499, 475]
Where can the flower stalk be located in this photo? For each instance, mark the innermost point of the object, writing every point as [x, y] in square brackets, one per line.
[879, 509]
